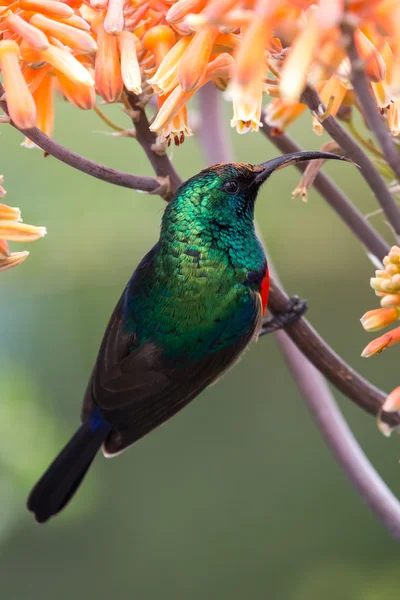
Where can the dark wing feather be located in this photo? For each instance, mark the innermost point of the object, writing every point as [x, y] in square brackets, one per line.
[139, 388]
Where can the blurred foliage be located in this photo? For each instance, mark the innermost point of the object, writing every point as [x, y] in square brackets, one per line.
[237, 496]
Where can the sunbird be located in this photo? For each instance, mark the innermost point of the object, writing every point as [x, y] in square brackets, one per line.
[190, 309]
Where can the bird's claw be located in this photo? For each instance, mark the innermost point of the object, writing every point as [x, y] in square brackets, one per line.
[293, 311]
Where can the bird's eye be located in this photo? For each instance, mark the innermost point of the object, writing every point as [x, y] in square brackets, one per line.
[231, 187]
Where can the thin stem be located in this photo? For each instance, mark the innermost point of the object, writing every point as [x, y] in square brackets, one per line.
[216, 146]
[340, 439]
[367, 144]
[147, 139]
[120, 178]
[316, 392]
[375, 122]
[106, 120]
[334, 196]
[355, 152]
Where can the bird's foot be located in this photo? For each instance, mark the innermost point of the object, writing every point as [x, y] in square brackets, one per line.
[294, 310]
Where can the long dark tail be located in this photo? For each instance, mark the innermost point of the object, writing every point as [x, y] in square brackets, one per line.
[61, 480]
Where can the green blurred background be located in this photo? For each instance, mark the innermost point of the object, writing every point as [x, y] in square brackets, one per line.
[237, 496]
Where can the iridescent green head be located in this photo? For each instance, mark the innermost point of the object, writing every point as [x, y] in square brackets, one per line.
[224, 195]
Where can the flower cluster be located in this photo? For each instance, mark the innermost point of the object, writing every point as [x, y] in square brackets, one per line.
[171, 48]
[13, 230]
[386, 284]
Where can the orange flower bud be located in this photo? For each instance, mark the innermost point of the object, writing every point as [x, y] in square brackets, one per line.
[176, 100]
[33, 36]
[166, 77]
[51, 8]
[81, 96]
[390, 300]
[63, 61]
[193, 66]
[181, 8]
[20, 103]
[217, 9]
[114, 21]
[381, 343]
[250, 60]
[108, 76]
[43, 97]
[373, 320]
[130, 70]
[75, 38]
[392, 402]
[76, 21]
[159, 40]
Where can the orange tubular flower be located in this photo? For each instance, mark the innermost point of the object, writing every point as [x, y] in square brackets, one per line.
[219, 67]
[193, 66]
[108, 76]
[379, 318]
[130, 69]
[21, 106]
[167, 47]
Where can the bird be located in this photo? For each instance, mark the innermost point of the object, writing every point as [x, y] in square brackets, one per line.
[191, 308]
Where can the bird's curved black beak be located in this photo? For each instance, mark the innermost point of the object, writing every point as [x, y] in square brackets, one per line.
[290, 159]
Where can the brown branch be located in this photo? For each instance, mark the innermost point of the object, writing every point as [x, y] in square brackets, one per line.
[334, 196]
[147, 139]
[120, 178]
[375, 121]
[355, 152]
[343, 377]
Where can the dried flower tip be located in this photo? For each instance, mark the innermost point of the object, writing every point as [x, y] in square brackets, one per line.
[13, 260]
[20, 232]
[9, 213]
[379, 318]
